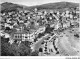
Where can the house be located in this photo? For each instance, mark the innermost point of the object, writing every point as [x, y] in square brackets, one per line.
[23, 35]
[19, 36]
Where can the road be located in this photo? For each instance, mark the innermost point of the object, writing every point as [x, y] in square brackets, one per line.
[36, 45]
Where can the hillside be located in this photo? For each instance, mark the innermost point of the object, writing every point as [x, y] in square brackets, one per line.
[10, 6]
[58, 5]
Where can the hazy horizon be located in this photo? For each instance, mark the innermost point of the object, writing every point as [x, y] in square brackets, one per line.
[37, 2]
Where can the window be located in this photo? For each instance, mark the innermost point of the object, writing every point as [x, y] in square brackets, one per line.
[15, 35]
[23, 35]
[20, 35]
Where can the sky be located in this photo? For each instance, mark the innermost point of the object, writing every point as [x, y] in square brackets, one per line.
[36, 2]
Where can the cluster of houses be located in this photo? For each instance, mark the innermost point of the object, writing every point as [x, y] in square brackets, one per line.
[29, 24]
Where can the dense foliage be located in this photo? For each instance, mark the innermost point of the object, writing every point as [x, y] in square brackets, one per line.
[14, 49]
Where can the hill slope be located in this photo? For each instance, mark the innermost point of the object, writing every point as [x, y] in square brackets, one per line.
[59, 5]
[10, 6]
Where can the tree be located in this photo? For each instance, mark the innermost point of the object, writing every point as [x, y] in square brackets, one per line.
[24, 50]
[35, 53]
[14, 49]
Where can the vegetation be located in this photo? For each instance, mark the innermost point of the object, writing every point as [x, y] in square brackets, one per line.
[14, 49]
